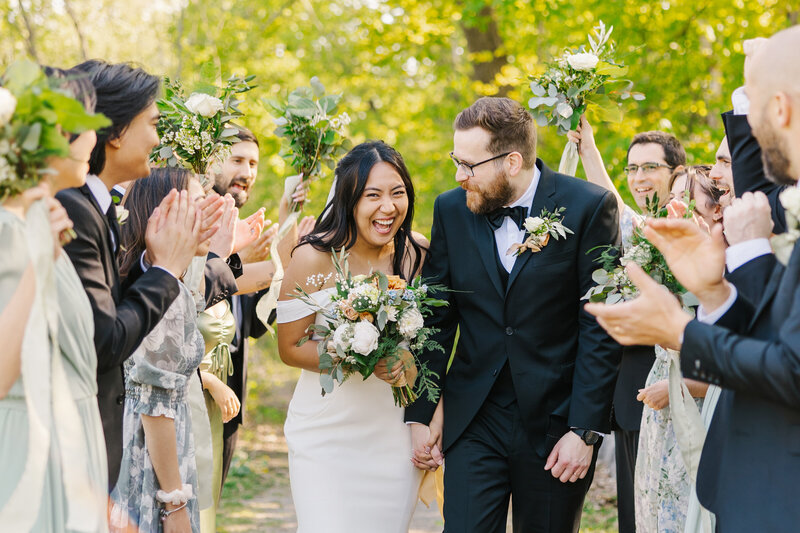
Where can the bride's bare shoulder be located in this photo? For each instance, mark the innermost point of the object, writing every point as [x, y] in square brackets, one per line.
[309, 268]
[421, 239]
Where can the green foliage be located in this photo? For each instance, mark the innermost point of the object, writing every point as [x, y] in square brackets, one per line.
[195, 131]
[406, 67]
[35, 115]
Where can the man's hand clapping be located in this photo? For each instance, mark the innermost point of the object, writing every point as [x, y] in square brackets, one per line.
[748, 218]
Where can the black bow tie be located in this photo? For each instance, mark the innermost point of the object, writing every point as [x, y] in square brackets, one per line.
[496, 217]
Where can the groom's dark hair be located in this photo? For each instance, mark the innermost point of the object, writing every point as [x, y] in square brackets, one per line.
[510, 125]
[123, 91]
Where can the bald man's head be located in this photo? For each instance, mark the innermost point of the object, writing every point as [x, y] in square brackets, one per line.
[772, 82]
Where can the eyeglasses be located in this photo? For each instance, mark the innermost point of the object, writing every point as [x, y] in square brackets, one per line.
[647, 168]
[468, 169]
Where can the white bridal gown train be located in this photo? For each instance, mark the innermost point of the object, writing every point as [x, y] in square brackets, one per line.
[349, 451]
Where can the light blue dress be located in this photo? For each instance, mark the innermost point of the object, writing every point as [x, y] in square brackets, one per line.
[53, 468]
[156, 384]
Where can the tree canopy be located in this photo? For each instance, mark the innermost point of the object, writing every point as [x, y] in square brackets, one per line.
[406, 67]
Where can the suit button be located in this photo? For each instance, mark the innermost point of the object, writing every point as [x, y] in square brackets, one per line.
[494, 372]
[509, 331]
[120, 399]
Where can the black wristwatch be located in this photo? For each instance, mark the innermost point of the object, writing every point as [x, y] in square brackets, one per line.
[587, 435]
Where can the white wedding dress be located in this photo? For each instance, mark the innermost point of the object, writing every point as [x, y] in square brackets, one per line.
[349, 451]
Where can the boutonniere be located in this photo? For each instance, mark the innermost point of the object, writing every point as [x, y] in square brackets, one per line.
[122, 215]
[783, 244]
[540, 229]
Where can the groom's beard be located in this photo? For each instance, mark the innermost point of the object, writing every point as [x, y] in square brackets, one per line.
[773, 155]
[491, 197]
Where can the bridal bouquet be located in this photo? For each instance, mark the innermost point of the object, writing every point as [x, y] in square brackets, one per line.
[35, 115]
[373, 318]
[195, 131]
[574, 81]
[613, 283]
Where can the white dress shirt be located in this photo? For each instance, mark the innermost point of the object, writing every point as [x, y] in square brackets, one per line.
[103, 199]
[508, 233]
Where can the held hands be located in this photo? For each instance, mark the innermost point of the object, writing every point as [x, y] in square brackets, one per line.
[173, 232]
[656, 396]
[426, 441]
[570, 459]
[748, 218]
[631, 322]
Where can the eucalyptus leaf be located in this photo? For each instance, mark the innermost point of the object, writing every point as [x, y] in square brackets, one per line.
[326, 381]
[537, 101]
[31, 142]
[537, 89]
[600, 276]
[316, 87]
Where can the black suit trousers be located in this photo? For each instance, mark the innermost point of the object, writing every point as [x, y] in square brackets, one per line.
[626, 444]
[494, 459]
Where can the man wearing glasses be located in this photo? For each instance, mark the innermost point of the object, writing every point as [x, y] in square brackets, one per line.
[528, 393]
[652, 158]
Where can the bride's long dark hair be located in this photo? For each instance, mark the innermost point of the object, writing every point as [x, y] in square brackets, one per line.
[336, 226]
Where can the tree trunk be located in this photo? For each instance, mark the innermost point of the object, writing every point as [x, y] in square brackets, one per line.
[30, 37]
[485, 46]
[81, 38]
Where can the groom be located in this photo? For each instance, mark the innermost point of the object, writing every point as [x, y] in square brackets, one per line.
[531, 383]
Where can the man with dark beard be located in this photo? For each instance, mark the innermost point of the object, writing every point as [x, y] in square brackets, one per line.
[531, 384]
[750, 458]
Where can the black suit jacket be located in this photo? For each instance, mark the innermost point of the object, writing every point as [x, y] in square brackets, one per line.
[248, 326]
[563, 365]
[751, 456]
[633, 371]
[122, 318]
[748, 169]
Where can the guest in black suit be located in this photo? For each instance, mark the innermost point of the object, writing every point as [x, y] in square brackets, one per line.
[530, 386]
[126, 95]
[653, 157]
[750, 458]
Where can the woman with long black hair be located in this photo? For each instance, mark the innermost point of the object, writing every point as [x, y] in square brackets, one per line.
[349, 451]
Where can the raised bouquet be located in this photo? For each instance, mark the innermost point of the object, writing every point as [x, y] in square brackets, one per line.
[613, 283]
[35, 115]
[372, 318]
[313, 136]
[576, 80]
[196, 131]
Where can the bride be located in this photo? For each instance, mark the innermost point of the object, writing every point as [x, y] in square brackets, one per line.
[349, 451]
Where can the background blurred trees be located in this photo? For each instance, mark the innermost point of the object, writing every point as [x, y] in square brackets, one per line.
[406, 67]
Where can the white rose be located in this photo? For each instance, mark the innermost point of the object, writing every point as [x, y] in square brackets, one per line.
[532, 224]
[410, 322]
[582, 61]
[7, 105]
[343, 336]
[204, 104]
[790, 199]
[365, 338]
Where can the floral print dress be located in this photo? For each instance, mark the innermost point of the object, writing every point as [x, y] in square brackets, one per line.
[662, 485]
[156, 379]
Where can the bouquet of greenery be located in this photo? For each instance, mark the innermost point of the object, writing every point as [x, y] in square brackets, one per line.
[613, 283]
[195, 131]
[574, 81]
[35, 114]
[313, 135]
[374, 318]
[311, 130]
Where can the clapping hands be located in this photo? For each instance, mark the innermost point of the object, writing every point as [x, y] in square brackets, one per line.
[173, 233]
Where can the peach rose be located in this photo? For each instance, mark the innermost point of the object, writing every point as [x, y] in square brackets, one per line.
[366, 316]
[396, 283]
[348, 311]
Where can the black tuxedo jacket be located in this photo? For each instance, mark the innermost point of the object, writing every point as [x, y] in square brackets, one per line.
[633, 371]
[563, 365]
[121, 318]
[748, 169]
[751, 456]
[247, 326]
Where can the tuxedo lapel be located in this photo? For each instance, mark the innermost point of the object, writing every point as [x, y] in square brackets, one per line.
[542, 199]
[483, 237]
